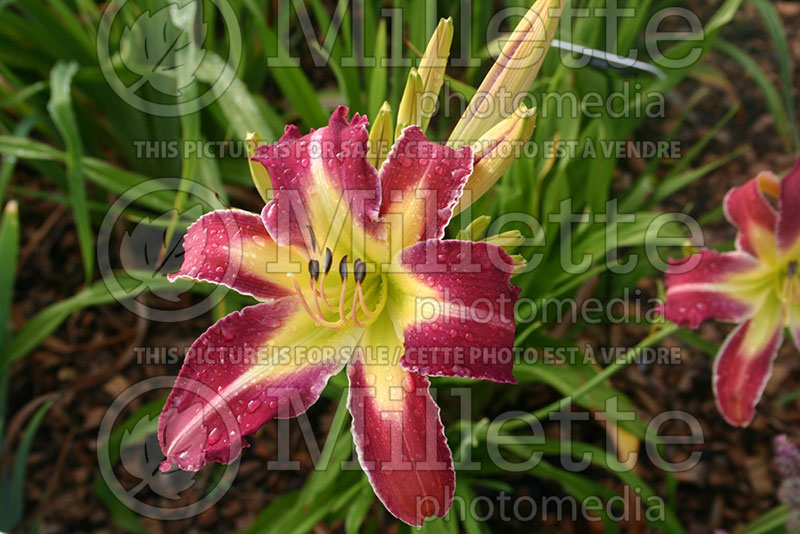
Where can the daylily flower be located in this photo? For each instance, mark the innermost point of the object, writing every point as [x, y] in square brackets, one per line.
[350, 269]
[757, 286]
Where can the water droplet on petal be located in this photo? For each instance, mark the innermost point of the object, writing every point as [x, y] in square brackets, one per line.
[253, 405]
[214, 436]
[408, 384]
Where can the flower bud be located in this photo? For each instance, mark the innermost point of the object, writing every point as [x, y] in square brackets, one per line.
[475, 230]
[495, 151]
[258, 172]
[520, 264]
[381, 136]
[508, 240]
[513, 72]
[410, 111]
[432, 67]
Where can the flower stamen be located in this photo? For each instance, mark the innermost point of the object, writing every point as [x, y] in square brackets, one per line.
[359, 273]
[343, 275]
[326, 267]
[354, 311]
[318, 317]
[364, 308]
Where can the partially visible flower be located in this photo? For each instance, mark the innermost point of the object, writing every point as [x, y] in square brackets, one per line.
[787, 464]
[787, 457]
[757, 287]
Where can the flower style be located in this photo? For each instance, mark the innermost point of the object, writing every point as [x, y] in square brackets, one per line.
[350, 269]
[756, 286]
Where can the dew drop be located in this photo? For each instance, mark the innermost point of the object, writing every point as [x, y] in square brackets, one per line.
[214, 436]
[253, 405]
[408, 384]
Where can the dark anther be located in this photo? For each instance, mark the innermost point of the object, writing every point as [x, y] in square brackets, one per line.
[343, 268]
[313, 268]
[313, 238]
[327, 261]
[359, 271]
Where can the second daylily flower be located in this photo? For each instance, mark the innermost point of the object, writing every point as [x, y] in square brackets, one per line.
[351, 269]
[757, 286]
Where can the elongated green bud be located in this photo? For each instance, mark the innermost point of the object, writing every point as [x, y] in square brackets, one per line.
[258, 172]
[495, 151]
[432, 67]
[508, 240]
[512, 74]
[381, 136]
[410, 111]
[475, 230]
[520, 264]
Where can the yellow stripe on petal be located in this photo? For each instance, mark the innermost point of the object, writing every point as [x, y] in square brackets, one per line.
[397, 431]
[744, 363]
[269, 360]
[453, 305]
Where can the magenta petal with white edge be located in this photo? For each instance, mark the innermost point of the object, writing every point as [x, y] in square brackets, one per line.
[320, 180]
[744, 363]
[248, 368]
[421, 182]
[232, 248]
[789, 217]
[397, 431]
[748, 209]
[710, 285]
[454, 305]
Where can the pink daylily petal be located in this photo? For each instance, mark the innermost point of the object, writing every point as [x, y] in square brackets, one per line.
[232, 247]
[789, 217]
[243, 371]
[748, 209]
[709, 285]
[421, 182]
[312, 174]
[744, 363]
[397, 431]
[455, 307]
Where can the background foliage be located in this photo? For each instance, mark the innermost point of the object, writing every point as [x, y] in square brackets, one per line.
[67, 138]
